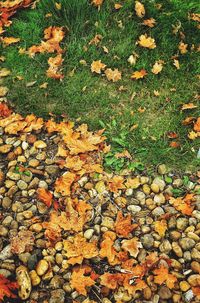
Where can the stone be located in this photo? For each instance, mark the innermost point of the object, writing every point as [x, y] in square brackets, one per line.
[3, 231]
[5, 272]
[160, 182]
[158, 211]
[165, 293]
[40, 144]
[162, 169]
[56, 282]
[178, 183]
[182, 223]
[159, 199]
[195, 267]
[195, 254]
[52, 169]
[42, 267]
[194, 280]
[4, 149]
[134, 208]
[155, 188]
[147, 241]
[57, 296]
[24, 282]
[6, 203]
[187, 243]
[13, 176]
[108, 222]
[165, 246]
[34, 163]
[35, 279]
[88, 233]
[196, 214]
[184, 285]
[177, 249]
[22, 184]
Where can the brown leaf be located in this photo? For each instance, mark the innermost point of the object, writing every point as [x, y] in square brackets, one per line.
[151, 22]
[132, 246]
[160, 227]
[79, 281]
[113, 75]
[188, 106]
[123, 225]
[6, 288]
[45, 196]
[163, 276]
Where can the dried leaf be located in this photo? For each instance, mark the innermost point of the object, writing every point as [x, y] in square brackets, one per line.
[9, 40]
[117, 6]
[63, 184]
[97, 67]
[183, 48]
[197, 125]
[54, 67]
[4, 110]
[45, 196]
[132, 246]
[113, 75]
[107, 250]
[24, 241]
[151, 22]
[4, 72]
[6, 288]
[116, 183]
[139, 74]
[163, 276]
[157, 67]
[3, 91]
[97, 3]
[123, 225]
[147, 42]
[176, 64]
[112, 281]
[139, 9]
[174, 144]
[184, 205]
[79, 281]
[188, 106]
[160, 227]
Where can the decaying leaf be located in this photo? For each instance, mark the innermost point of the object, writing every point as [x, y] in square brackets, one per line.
[6, 288]
[63, 184]
[188, 106]
[176, 63]
[123, 225]
[79, 281]
[162, 275]
[22, 242]
[151, 22]
[9, 40]
[113, 75]
[146, 42]
[197, 125]
[54, 67]
[107, 250]
[4, 110]
[183, 48]
[116, 183]
[4, 72]
[97, 67]
[139, 9]
[3, 91]
[132, 246]
[97, 3]
[139, 74]
[45, 196]
[117, 6]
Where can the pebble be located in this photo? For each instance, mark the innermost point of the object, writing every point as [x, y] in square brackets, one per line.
[147, 241]
[24, 282]
[42, 267]
[182, 223]
[89, 233]
[35, 279]
[165, 293]
[187, 243]
[158, 211]
[160, 182]
[56, 282]
[57, 296]
[155, 188]
[184, 285]
[178, 183]
[40, 144]
[162, 169]
[13, 176]
[159, 199]
[3, 231]
[134, 208]
[6, 203]
[22, 184]
[52, 169]
[194, 280]
[177, 249]
[195, 254]
[5, 272]
[196, 214]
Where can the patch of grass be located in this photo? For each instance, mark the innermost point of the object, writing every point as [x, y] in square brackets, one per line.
[91, 97]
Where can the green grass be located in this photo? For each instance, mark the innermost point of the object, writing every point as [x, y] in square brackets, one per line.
[91, 97]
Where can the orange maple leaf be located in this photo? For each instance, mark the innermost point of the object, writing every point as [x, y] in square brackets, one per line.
[139, 74]
[116, 183]
[184, 205]
[97, 3]
[63, 184]
[80, 249]
[6, 287]
[112, 281]
[138, 285]
[45, 196]
[197, 125]
[132, 246]
[149, 22]
[4, 110]
[107, 250]
[123, 225]
[113, 75]
[162, 275]
[79, 281]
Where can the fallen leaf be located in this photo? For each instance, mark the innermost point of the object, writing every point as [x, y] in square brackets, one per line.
[107, 248]
[174, 144]
[172, 135]
[45, 196]
[160, 227]
[44, 85]
[132, 246]
[63, 184]
[193, 135]
[197, 125]
[54, 67]
[4, 110]
[139, 9]
[147, 42]
[22, 242]
[96, 40]
[113, 75]
[133, 58]
[112, 281]
[184, 205]
[97, 3]
[151, 22]
[183, 48]
[188, 106]
[97, 66]
[139, 74]
[3, 91]
[6, 288]
[117, 6]
[79, 281]
[58, 6]
[116, 183]
[123, 225]
[162, 275]
[188, 120]
[4, 72]
[176, 63]
[9, 40]
[157, 67]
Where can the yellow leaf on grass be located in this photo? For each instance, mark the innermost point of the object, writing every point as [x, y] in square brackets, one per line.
[139, 9]
[4, 72]
[54, 67]
[188, 106]
[139, 74]
[160, 227]
[97, 66]
[151, 22]
[9, 40]
[176, 63]
[147, 42]
[97, 3]
[118, 6]
[183, 48]
[157, 67]
[197, 125]
[3, 91]
[113, 75]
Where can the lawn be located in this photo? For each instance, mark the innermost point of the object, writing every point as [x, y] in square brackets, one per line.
[139, 115]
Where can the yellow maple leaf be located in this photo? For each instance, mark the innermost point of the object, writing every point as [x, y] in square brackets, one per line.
[113, 75]
[139, 74]
[9, 40]
[162, 275]
[188, 106]
[97, 66]
[139, 9]
[176, 63]
[160, 227]
[157, 67]
[183, 48]
[151, 22]
[147, 42]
